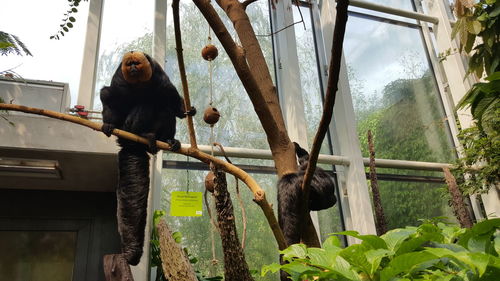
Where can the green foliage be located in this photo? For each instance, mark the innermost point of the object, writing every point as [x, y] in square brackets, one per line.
[479, 21]
[432, 251]
[480, 162]
[484, 101]
[68, 20]
[481, 144]
[155, 251]
[11, 44]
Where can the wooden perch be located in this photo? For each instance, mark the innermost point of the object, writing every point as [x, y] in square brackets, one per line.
[182, 71]
[259, 194]
[331, 91]
[175, 264]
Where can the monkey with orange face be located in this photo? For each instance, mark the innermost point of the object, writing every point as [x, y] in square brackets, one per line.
[141, 100]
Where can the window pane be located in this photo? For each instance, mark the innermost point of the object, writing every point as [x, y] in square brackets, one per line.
[127, 25]
[397, 4]
[37, 255]
[239, 125]
[394, 92]
[309, 77]
[329, 219]
[405, 203]
[261, 247]
[33, 22]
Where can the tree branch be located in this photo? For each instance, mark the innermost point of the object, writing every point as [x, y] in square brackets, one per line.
[252, 70]
[331, 91]
[247, 2]
[182, 71]
[259, 194]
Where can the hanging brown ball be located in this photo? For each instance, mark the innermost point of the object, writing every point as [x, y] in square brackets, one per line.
[211, 115]
[210, 182]
[209, 52]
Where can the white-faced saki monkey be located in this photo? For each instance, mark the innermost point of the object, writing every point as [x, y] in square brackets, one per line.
[321, 196]
[141, 100]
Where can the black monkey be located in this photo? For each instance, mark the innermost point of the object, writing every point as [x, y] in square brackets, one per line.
[321, 196]
[141, 100]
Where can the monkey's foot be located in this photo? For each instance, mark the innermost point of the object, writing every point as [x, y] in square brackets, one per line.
[174, 144]
[190, 112]
[107, 129]
[152, 147]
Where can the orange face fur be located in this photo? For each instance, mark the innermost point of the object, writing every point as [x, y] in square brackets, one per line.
[136, 67]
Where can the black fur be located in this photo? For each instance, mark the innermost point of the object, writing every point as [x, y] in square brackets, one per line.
[148, 109]
[321, 196]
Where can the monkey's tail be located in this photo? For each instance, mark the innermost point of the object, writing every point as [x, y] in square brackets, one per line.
[132, 197]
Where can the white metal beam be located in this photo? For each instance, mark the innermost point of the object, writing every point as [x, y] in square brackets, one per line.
[90, 55]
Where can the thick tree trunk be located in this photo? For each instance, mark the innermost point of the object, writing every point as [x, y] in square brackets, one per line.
[176, 266]
[457, 200]
[235, 265]
[116, 268]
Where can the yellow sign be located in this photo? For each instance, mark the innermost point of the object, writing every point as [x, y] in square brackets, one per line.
[186, 204]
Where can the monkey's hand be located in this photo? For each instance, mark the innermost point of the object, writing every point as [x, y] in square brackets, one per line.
[174, 144]
[152, 147]
[107, 129]
[190, 112]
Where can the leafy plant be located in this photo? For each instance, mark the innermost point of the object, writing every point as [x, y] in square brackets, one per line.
[11, 44]
[68, 20]
[432, 251]
[478, 149]
[155, 251]
[478, 30]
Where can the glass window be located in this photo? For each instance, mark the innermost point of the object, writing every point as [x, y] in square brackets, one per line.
[395, 93]
[397, 4]
[37, 255]
[405, 203]
[330, 220]
[239, 125]
[127, 25]
[261, 247]
[33, 22]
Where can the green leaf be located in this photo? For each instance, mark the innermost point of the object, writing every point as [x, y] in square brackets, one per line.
[374, 257]
[295, 251]
[74, 10]
[474, 27]
[71, 19]
[372, 240]
[478, 243]
[320, 257]
[65, 29]
[404, 263]
[177, 236]
[395, 237]
[497, 243]
[355, 255]
[457, 27]
[495, 12]
[493, 76]
[70, 25]
[481, 261]
[343, 267]
[486, 226]
[273, 268]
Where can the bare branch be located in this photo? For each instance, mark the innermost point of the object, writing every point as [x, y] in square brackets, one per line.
[182, 71]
